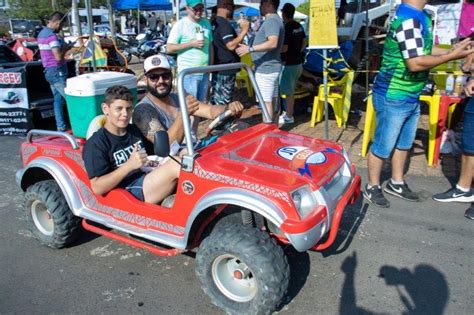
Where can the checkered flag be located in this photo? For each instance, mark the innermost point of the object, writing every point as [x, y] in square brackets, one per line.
[408, 35]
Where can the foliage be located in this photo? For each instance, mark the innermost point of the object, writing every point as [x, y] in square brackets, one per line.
[303, 8]
[41, 9]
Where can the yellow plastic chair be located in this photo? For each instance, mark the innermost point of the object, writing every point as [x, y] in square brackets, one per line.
[339, 100]
[242, 75]
[433, 102]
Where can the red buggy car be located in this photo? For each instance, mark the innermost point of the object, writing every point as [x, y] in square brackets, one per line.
[237, 200]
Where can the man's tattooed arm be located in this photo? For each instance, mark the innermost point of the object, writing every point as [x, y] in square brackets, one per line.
[146, 119]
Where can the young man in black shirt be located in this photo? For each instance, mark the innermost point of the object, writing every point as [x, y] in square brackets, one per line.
[115, 154]
[292, 57]
[225, 42]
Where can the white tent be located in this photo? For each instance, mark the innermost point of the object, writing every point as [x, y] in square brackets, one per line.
[297, 16]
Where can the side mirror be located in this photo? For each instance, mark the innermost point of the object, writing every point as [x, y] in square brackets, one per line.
[162, 144]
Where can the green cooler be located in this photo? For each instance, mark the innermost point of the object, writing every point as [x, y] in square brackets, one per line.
[85, 93]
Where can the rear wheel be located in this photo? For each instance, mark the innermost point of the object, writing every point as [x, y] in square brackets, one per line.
[48, 215]
[243, 270]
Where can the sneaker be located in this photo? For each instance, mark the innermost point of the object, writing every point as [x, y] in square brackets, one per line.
[470, 212]
[454, 194]
[284, 119]
[402, 191]
[375, 196]
[62, 129]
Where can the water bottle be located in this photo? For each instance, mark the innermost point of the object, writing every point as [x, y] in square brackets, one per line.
[450, 84]
[458, 85]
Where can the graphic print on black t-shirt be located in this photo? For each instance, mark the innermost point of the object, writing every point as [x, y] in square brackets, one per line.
[104, 152]
[122, 155]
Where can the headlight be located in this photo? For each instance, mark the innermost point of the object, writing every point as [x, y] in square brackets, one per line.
[346, 156]
[347, 169]
[304, 201]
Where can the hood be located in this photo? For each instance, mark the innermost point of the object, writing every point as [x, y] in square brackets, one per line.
[283, 159]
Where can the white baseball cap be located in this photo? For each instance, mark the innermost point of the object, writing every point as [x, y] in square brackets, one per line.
[158, 61]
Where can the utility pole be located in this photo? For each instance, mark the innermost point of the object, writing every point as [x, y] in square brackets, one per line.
[76, 21]
[90, 22]
[111, 18]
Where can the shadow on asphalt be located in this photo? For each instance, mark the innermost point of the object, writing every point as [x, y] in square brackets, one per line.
[350, 222]
[422, 291]
[299, 272]
[84, 237]
[300, 262]
[425, 291]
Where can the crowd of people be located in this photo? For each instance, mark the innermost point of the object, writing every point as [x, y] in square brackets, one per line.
[277, 54]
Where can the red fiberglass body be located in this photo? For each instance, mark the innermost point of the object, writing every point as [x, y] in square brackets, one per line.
[257, 168]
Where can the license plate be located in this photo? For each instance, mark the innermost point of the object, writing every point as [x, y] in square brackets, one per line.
[47, 113]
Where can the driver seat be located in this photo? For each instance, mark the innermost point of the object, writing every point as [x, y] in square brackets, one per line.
[95, 124]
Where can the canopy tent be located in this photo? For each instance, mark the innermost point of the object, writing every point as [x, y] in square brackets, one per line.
[144, 5]
[297, 15]
[247, 11]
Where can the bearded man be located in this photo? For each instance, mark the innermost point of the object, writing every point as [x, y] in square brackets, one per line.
[159, 109]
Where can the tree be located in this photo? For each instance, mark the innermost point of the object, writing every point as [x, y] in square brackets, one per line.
[41, 9]
[31, 9]
[303, 8]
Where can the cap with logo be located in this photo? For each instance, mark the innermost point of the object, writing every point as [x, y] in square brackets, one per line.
[158, 61]
[193, 3]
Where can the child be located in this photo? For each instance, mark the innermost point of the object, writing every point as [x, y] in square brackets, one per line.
[114, 155]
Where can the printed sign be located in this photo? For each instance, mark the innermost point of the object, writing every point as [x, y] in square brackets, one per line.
[447, 23]
[14, 118]
[322, 24]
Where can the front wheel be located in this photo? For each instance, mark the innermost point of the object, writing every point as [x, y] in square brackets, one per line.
[243, 270]
[48, 215]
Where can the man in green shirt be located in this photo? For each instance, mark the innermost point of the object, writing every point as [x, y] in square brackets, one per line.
[407, 58]
[191, 39]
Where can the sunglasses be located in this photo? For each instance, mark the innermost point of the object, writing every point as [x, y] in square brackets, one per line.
[157, 76]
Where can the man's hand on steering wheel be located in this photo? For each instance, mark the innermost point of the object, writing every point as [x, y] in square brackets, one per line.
[228, 115]
[236, 108]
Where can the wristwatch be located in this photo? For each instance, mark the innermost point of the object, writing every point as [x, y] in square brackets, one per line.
[251, 49]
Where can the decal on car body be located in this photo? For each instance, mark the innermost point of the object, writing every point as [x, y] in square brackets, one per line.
[302, 158]
[188, 187]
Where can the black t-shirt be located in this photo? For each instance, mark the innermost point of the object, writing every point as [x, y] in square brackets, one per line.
[294, 35]
[104, 152]
[222, 34]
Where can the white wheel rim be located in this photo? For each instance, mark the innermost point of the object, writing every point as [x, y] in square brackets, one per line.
[42, 218]
[224, 271]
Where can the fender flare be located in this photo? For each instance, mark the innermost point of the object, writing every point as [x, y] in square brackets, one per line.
[59, 174]
[238, 197]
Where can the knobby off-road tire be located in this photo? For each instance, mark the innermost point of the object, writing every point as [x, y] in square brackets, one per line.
[48, 215]
[234, 250]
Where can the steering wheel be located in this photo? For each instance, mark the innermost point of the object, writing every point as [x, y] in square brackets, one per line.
[220, 121]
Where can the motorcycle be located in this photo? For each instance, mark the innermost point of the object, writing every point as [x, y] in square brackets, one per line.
[142, 46]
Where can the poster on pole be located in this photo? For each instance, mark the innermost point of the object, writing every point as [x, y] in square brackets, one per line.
[322, 24]
[14, 118]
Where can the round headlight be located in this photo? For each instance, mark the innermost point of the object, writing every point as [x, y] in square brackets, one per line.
[296, 196]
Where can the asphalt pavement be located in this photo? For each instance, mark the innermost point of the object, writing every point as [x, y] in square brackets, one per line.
[414, 258]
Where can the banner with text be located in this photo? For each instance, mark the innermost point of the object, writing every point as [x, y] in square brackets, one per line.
[322, 24]
[14, 118]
